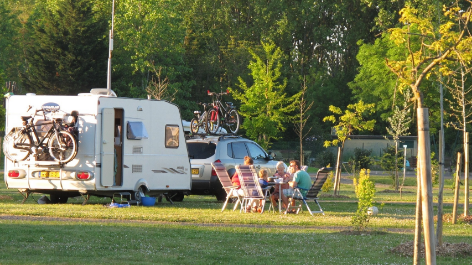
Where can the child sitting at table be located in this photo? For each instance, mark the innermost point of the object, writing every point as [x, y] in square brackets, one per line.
[263, 178]
[263, 183]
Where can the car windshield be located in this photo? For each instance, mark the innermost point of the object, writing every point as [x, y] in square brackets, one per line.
[200, 150]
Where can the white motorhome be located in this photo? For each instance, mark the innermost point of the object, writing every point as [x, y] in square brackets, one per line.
[127, 146]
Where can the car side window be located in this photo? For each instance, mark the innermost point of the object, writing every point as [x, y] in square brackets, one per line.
[255, 151]
[239, 150]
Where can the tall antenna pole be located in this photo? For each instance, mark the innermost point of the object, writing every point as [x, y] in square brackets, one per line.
[110, 49]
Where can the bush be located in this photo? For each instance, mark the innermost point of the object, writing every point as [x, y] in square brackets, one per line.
[365, 191]
[325, 158]
[362, 158]
[329, 184]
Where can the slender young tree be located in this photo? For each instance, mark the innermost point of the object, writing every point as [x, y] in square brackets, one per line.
[302, 117]
[352, 120]
[426, 48]
[399, 125]
[461, 111]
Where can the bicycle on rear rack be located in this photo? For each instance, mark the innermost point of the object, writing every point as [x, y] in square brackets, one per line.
[219, 115]
[23, 141]
[199, 120]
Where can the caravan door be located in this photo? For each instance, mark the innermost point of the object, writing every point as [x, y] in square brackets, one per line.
[112, 147]
[107, 154]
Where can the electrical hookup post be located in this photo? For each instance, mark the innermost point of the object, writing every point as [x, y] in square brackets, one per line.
[110, 49]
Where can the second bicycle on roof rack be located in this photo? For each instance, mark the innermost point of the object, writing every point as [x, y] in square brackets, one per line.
[220, 115]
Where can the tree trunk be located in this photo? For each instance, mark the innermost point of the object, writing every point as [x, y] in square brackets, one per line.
[396, 165]
[466, 174]
[439, 226]
[456, 190]
[426, 185]
[338, 172]
[417, 242]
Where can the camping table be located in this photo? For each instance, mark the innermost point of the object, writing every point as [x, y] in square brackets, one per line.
[280, 193]
[280, 190]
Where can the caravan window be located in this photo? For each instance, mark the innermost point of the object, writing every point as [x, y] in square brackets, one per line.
[136, 131]
[172, 136]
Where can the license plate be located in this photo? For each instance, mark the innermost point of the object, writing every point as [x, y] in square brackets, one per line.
[195, 171]
[54, 174]
[50, 174]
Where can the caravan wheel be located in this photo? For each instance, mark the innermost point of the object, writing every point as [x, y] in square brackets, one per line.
[58, 198]
[139, 194]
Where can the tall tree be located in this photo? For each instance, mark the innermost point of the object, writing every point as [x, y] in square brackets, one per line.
[265, 104]
[9, 38]
[69, 49]
[150, 35]
[426, 49]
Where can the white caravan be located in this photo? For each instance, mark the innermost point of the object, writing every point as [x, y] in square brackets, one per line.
[131, 147]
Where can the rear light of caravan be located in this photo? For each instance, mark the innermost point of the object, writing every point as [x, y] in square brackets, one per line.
[213, 172]
[13, 173]
[16, 173]
[83, 175]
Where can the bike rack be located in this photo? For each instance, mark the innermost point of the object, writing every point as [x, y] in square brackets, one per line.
[42, 163]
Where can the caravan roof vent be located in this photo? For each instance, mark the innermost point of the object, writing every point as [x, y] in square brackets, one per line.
[102, 92]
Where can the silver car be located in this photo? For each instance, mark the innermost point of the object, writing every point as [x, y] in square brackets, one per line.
[229, 150]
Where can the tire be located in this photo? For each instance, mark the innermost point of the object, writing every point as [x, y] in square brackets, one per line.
[233, 121]
[176, 196]
[221, 195]
[58, 198]
[64, 152]
[194, 126]
[139, 194]
[16, 136]
[213, 121]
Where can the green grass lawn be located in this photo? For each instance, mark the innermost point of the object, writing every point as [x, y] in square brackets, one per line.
[195, 231]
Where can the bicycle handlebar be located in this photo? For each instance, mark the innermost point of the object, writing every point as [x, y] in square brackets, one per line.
[217, 94]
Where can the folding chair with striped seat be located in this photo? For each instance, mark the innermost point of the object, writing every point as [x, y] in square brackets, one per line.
[250, 186]
[227, 185]
[312, 193]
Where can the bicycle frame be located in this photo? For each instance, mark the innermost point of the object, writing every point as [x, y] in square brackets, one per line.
[32, 134]
[219, 106]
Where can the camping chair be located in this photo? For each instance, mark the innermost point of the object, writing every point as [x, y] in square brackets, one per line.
[250, 186]
[312, 193]
[227, 184]
[266, 192]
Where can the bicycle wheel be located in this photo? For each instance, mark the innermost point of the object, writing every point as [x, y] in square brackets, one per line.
[194, 126]
[212, 121]
[18, 138]
[232, 121]
[63, 149]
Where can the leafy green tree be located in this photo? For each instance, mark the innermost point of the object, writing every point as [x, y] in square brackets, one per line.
[9, 39]
[428, 49]
[149, 35]
[345, 124]
[264, 104]
[69, 51]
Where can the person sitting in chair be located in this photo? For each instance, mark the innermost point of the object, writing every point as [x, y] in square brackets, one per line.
[235, 179]
[301, 179]
[286, 176]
